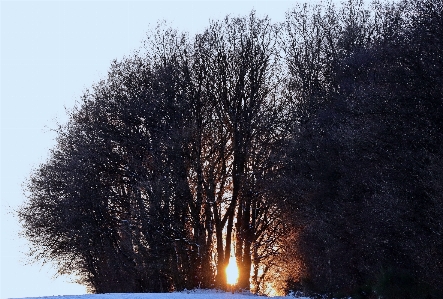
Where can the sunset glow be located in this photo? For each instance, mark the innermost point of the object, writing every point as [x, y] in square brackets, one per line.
[232, 271]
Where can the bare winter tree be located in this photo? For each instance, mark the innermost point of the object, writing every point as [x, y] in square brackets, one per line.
[309, 151]
[358, 155]
[167, 158]
[242, 79]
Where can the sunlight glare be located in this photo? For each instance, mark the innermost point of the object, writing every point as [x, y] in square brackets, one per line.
[232, 271]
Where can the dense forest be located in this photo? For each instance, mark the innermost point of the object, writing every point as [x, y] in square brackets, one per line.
[310, 150]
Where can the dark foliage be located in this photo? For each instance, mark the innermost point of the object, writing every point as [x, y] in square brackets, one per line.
[362, 162]
[314, 148]
[161, 161]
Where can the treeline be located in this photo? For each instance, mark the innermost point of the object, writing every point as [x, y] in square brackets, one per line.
[363, 173]
[310, 150]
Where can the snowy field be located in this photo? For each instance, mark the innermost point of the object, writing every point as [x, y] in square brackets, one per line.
[199, 294]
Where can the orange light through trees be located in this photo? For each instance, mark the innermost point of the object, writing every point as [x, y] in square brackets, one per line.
[232, 271]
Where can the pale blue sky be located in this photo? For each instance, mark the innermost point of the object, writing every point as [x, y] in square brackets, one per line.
[50, 52]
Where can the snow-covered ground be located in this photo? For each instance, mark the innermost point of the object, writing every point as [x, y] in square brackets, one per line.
[197, 294]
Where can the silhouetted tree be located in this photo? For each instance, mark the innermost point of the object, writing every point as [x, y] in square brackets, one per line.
[309, 150]
[163, 157]
[356, 161]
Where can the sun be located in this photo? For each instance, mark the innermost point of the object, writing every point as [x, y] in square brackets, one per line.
[232, 271]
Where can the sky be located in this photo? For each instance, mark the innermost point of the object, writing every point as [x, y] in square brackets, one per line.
[51, 52]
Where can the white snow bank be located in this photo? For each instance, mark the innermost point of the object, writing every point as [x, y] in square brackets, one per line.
[195, 294]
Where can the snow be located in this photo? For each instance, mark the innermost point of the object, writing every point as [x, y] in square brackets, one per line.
[195, 294]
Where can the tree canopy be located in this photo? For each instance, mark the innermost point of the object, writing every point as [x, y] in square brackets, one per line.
[311, 151]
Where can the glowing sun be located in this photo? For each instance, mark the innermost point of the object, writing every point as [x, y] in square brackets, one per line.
[232, 271]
